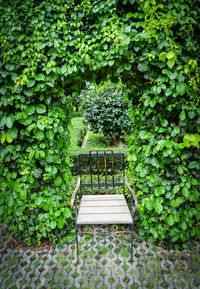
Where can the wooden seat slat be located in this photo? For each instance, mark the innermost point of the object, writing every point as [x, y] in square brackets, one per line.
[103, 210]
[95, 209]
[84, 219]
[102, 197]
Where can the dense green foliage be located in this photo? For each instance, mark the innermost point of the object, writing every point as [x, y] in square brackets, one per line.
[164, 159]
[49, 50]
[106, 111]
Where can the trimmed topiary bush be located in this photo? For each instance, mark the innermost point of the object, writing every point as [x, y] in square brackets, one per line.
[106, 111]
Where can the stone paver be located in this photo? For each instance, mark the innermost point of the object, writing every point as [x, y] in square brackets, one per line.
[104, 263]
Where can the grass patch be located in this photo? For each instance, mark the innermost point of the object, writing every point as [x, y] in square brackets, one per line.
[11, 262]
[94, 141]
[77, 132]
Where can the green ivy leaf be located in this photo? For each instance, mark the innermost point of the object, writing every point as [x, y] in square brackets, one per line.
[23, 194]
[176, 189]
[145, 222]
[58, 181]
[193, 165]
[176, 218]
[171, 55]
[174, 75]
[143, 134]
[127, 66]
[9, 121]
[175, 131]
[38, 201]
[64, 69]
[30, 83]
[162, 56]
[28, 92]
[191, 114]
[159, 191]
[180, 88]
[180, 170]
[111, 62]
[182, 115]
[39, 135]
[40, 76]
[61, 224]
[13, 132]
[158, 206]
[126, 39]
[50, 134]
[164, 122]
[149, 204]
[170, 220]
[142, 67]
[170, 63]
[53, 225]
[185, 192]
[3, 138]
[9, 139]
[21, 226]
[67, 213]
[168, 143]
[166, 71]
[120, 69]
[184, 226]
[30, 110]
[70, 238]
[41, 108]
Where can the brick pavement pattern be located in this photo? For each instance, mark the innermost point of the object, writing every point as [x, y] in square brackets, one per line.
[104, 263]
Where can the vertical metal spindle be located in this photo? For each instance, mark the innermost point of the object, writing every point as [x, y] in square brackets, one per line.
[123, 173]
[112, 171]
[105, 169]
[98, 170]
[80, 174]
[91, 169]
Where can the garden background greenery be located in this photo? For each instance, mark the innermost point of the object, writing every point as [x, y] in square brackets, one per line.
[49, 51]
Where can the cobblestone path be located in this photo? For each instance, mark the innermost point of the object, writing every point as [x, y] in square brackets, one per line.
[104, 263]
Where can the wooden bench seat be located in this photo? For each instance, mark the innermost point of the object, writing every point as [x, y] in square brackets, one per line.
[103, 209]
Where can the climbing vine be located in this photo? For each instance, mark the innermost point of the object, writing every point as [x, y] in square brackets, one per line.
[49, 50]
[164, 158]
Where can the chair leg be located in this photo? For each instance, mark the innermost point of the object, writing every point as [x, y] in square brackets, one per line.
[77, 244]
[132, 241]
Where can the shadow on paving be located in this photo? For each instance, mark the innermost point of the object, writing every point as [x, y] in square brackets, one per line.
[104, 263]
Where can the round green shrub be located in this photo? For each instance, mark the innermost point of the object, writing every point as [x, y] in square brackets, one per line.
[106, 111]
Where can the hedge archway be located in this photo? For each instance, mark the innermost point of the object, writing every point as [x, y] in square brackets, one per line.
[49, 51]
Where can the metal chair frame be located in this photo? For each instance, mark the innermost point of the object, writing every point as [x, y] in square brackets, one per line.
[105, 154]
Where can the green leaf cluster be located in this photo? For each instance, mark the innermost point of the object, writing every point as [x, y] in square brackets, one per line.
[164, 152]
[106, 111]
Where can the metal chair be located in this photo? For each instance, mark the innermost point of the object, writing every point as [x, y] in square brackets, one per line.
[103, 172]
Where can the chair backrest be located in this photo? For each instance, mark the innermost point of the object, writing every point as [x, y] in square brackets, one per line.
[103, 168]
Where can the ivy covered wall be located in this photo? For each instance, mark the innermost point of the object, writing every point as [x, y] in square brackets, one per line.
[48, 51]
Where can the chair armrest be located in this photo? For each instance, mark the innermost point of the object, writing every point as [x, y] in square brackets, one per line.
[74, 193]
[133, 195]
